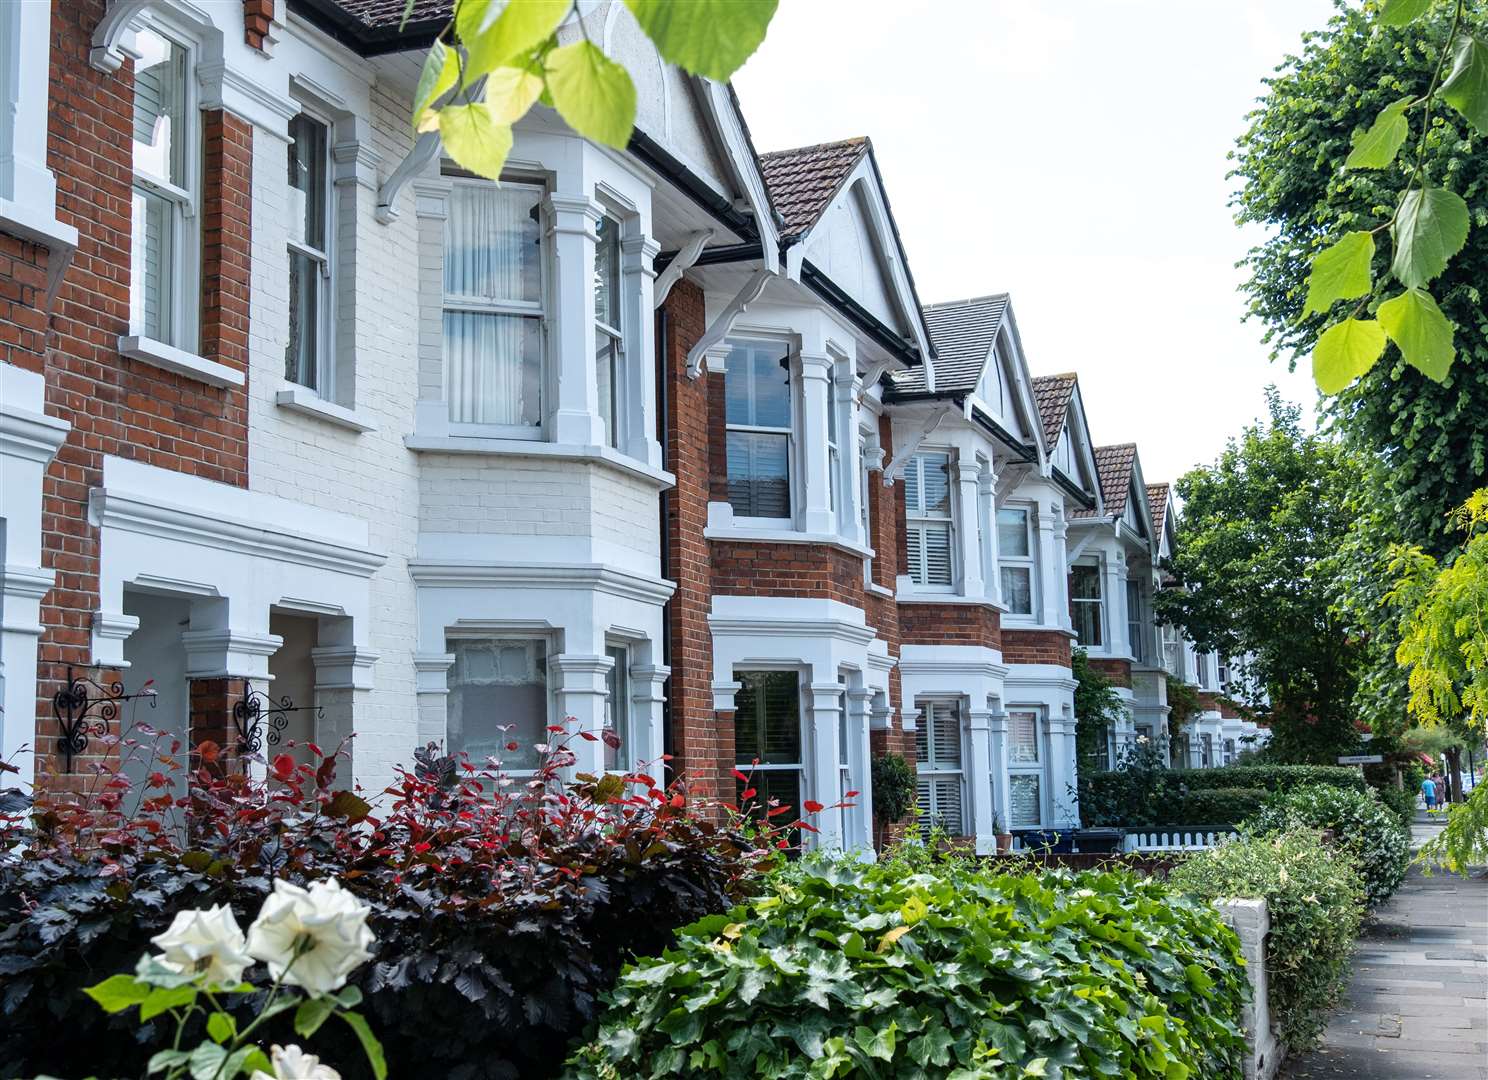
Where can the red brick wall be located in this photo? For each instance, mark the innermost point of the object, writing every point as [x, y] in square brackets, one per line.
[950, 624]
[1035, 647]
[23, 279]
[117, 406]
[1118, 671]
[748, 568]
[257, 15]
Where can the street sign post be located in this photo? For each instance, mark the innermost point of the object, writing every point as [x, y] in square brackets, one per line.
[1362, 759]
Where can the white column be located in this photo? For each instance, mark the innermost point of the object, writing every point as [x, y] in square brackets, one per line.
[1113, 572]
[28, 441]
[582, 688]
[849, 387]
[1058, 587]
[573, 409]
[979, 775]
[1062, 768]
[431, 690]
[812, 447]
[638, 257]
[647, 697]
[858, 827]
[997, 729]
[987, 488]
[968, 490]
[1050, 569]
[28, 191]
[824, 762]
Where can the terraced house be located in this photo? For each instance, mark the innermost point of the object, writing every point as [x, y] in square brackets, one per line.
[662, 442]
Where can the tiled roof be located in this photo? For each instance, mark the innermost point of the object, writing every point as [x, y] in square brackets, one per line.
[388, 14]
[1113, 464]
[802, 181]
[1053, 393]
[1157, 504]
[963, 332]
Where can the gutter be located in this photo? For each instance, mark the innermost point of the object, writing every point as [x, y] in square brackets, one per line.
[652, 154]
[864, 319]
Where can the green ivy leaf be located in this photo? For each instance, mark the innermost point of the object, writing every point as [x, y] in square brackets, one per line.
[257, 1061]
[1340, 272]
[1466, 89]
[706, 37]
[876, 1044]
[1345, 351]
[311, 1014]
[164, 1059]
[592, 92]
[118, 992]
[1420, 330]
[494, 33]
[474, 138]
[370, 1046]
[1377, 146]
[1430, 227]
[441, 69]
[221, 1027]
[1400, 12]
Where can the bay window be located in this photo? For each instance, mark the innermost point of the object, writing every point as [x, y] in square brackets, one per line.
[1025, 770]
[494, 371]
[1136, 621]
[767, 739]
[1087, 608]
[617, 714]
[1201, 668]
[834, 467]
[927, 502]
[1172, 644]
[938, 771]
[609, 341]
[307, 356]
[498, 696]
[757, 406]
[163, 216]
[1015, 558]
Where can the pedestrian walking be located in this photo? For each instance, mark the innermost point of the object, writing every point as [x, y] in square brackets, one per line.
[1428, 792]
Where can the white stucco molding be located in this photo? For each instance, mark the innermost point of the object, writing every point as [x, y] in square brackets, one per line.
[592, 577]
[227, 653]
[343, 667]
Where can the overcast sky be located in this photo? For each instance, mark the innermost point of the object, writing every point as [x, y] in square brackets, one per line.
[1071, 152]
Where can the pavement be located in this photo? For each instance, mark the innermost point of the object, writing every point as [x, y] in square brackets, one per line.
[1417, 1003]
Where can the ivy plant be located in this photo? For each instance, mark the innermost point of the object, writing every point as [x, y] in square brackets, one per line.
[497, 58]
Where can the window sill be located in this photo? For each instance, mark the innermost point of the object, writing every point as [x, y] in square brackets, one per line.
[178, 361]
[306, 402]
[916, 596]
[530, 448]
[37, 224]
[880, 590]
[746, 534]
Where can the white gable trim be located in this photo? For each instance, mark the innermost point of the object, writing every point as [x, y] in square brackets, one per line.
[1023, 397]
[729, 127]
[1079, 432]
[1138, 495]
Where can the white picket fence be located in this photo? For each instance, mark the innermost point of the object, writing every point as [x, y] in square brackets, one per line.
[1176, 839]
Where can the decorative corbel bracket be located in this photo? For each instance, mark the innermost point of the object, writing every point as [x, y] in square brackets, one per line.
[685, 260]
[113, 39]
[904, 451]
[724, 324]
[425, 150]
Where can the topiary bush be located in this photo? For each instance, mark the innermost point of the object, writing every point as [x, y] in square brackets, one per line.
[1316, 900]
[840, 969]
[1362, 825]
[1144, 792]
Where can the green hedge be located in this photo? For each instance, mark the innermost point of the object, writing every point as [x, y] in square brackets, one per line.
[1361, 823]
[1316, 901]
[957, 971]
[1218, 806]
[1145, 793]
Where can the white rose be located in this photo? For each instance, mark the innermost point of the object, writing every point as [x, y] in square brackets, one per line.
[312, 938]
[208, 943]
[292, 1063]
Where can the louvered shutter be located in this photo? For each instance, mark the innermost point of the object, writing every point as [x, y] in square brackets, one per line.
[937, 554]
[946, 735]
[948, 804]
[1023, 738]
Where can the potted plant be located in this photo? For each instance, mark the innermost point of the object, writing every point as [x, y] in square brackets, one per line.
[1004, 838]
[893, 792]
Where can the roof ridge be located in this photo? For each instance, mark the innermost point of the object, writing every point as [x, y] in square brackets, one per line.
[831, 145]
[963, 303]
[1116, 446]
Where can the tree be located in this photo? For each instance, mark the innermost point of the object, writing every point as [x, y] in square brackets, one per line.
[1097, 707]
[1256, 570]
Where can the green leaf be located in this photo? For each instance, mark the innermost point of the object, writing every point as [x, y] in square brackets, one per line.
[1345, 351]
[206, 1061]
[311, 1014]
[1430, 227]
[1420, 330]
[510, 92]
[494, 34]
[474, 138]
[1340, 272]
[257, 1061]
[1400, 12]
[164, 1059]
[370, 1046]
[221, 1027]
[165, 998]
[876, 1044]
[1377, 146]
[707, 37]
[592, 92]
[348, 997]
[933, 1047]
[118, 992]
[441, 69]
[1466, 89]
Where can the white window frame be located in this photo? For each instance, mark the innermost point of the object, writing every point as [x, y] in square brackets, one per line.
[1027, 562]
[801, 766]
[619, 714]
[1201, 669]
[550, 699]
[615, 412]
[1172, 651]
[184, 277]
[325, 333]
[918, 519]
[1099, 603]
[928, 767]
[1037, 768]
[1136, 621]
[539, 309]
[865, 511]
[795, 495]
[834, 454]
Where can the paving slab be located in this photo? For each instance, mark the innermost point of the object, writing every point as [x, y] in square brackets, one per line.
[1417, 1002]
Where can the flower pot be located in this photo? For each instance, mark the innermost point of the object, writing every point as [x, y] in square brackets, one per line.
[1004, 843]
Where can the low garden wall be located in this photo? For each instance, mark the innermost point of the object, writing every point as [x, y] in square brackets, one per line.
[1251, 921]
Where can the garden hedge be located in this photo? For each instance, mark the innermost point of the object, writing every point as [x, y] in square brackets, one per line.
[1361, 823]
[1316, 901]
[959, 970]
[1218, 806]
[1145, 792]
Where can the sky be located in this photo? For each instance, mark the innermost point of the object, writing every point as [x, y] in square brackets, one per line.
[1072, 153]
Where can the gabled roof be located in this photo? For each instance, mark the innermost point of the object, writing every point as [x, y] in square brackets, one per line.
[803, 181]
[1113, 464]
[1157, 506]
[963, 332]
[1053, 393]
